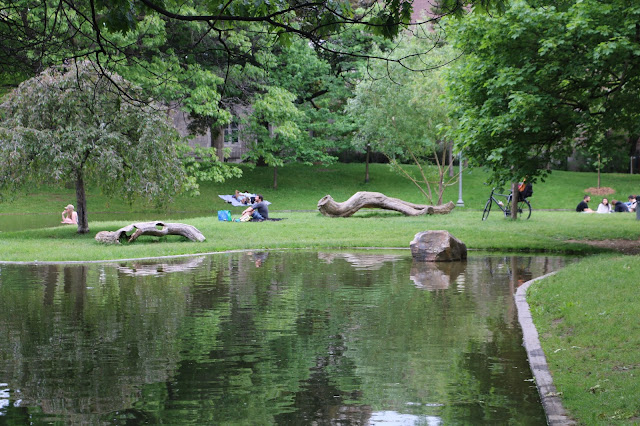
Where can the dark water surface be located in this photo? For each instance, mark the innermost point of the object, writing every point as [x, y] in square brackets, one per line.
[301, 337]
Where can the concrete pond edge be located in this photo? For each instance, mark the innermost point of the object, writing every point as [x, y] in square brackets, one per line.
[551, 402]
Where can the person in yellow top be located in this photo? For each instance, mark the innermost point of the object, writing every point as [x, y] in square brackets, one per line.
[69, 216]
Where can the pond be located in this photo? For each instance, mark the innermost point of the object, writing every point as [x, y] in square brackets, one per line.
[286, 337]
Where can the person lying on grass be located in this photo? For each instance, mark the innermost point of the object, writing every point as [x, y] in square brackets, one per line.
[242, 197]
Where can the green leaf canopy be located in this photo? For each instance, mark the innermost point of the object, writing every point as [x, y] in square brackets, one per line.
[542, 79]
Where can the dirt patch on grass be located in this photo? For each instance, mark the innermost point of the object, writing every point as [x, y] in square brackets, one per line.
[604, 190]
[622, 246]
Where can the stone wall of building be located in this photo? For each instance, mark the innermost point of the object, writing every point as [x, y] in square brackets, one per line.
[181, 121]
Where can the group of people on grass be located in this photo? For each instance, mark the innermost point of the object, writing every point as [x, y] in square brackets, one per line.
[606, 206]
[258, 211]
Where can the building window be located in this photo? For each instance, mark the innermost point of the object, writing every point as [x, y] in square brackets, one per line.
[231, 133]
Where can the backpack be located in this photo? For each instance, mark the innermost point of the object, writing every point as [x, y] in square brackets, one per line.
[224, 215]
[526, 190]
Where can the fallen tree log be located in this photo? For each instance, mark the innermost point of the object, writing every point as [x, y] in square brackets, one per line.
[156, 229]
[364, 199]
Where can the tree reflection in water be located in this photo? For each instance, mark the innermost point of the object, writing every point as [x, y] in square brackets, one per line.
[280, 337]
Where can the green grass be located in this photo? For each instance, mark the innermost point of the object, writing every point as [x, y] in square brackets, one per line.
[587, 313]
[587, 316]
[300, 187]
[545, 231]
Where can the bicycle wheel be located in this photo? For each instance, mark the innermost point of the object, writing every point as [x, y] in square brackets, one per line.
[524, 210]
[487, 210]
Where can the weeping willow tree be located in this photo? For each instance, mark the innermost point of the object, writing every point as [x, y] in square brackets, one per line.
[75, 124]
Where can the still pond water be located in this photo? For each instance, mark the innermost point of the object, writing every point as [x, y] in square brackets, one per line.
[296, 337]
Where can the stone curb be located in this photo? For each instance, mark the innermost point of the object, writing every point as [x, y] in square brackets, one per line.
[555, 412]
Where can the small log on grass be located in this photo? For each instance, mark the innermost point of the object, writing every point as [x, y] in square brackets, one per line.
[157, 229]
[364, 199]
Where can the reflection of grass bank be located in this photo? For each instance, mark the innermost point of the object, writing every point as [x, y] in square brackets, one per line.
[587, 317]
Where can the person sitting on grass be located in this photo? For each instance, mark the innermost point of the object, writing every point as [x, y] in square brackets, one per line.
[583, 207]
[604, 206]
[69, 216]
[259, 210]
[619, 206]
[631, 203]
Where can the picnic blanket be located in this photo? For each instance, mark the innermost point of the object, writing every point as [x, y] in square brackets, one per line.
[236, 203]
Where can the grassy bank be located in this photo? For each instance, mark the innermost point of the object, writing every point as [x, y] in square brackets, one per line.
[300, 187]
[587, 318]
[545, 231]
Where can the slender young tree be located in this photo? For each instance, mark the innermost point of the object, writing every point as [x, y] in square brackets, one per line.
[402, 113]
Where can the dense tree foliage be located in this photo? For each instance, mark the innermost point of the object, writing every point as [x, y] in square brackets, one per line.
[72, 125]
[36, 34]
[541, 80]
[209, 57]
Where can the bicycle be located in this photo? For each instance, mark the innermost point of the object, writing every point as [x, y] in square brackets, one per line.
[524, 208]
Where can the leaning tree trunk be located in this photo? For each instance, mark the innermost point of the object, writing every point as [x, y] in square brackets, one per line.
[81, 204]
[364, 199]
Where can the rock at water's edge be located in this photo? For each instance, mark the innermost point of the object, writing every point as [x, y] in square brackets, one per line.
[437, 246]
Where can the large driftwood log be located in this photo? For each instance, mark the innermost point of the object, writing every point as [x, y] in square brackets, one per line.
[363, 199]
[156, 229]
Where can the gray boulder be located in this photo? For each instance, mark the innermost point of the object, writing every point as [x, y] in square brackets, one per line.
[437, 246]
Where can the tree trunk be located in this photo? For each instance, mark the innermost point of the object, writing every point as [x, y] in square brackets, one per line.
[217, 141]
[366, 164]
[275, 177]
[81, 204]
[364, 199]
[149, 228]
[514, 200]
[598, 172]
[451, 171]
[441, 185]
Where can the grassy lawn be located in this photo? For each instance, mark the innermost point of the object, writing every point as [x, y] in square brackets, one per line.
[587, 318]
[300, 187]
[587, 314]
[545, 231]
